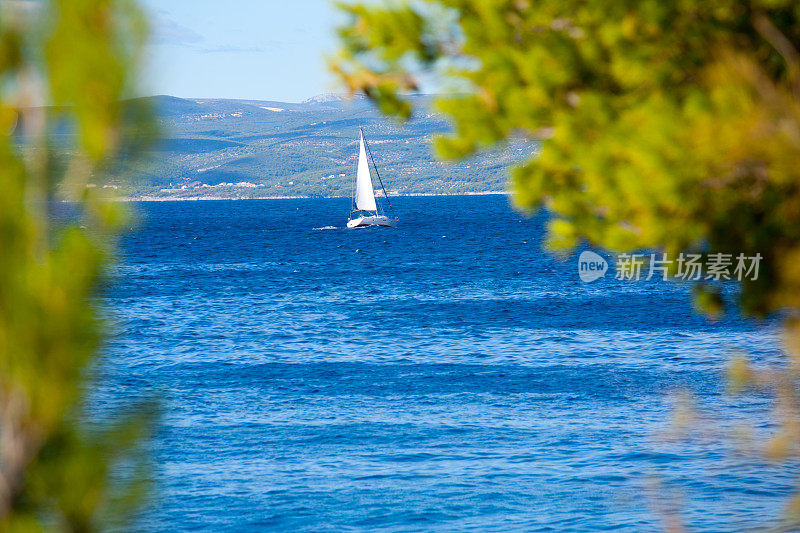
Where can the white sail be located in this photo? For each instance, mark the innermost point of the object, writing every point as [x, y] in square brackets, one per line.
[365, 195]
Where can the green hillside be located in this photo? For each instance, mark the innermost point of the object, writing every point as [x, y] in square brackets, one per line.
[251, 149]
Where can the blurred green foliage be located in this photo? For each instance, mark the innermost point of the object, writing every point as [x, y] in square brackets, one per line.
[666, 125]
[63, 61]
[672, 125]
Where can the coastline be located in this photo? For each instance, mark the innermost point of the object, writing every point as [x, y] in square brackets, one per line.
[212, 198]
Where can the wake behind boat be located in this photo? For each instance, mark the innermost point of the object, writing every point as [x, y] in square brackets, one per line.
[366, 210]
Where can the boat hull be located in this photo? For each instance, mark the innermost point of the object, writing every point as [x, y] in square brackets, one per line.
[373, 220]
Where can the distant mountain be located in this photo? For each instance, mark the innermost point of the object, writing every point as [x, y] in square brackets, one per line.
[170, 106]
[326, 98]
[253, 148]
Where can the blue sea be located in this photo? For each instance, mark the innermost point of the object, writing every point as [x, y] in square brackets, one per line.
[444, 375]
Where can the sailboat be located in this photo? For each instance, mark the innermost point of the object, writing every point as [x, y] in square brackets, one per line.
[366, 211]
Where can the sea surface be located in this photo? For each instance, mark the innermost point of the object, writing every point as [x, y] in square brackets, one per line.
[444, 375]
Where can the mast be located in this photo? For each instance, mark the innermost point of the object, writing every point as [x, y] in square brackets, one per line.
[364, 140]
[385, 194]
[353, 205]
[365, 192]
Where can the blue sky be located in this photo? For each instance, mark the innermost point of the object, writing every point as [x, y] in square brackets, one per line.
[251, 49]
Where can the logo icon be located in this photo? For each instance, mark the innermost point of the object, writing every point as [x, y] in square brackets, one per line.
[591, 266]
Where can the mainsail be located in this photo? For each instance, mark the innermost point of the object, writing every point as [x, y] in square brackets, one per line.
[365, 195]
